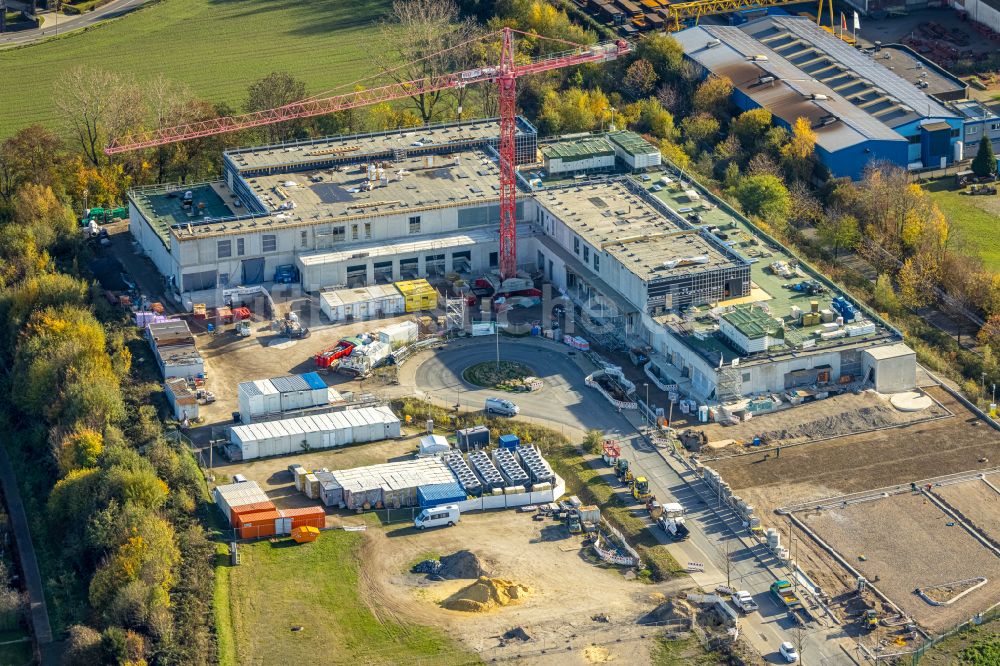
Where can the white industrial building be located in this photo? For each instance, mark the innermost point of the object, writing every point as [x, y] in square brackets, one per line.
[174, 349]
[652, 260]
[268, 397]
[318, 431]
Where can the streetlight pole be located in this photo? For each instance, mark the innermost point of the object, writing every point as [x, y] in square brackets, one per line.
[648, 418]
[496, 331]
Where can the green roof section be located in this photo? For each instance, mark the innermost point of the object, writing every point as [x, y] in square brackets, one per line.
[753, 322]
[162, 208]
[573, 150]
[632, 143]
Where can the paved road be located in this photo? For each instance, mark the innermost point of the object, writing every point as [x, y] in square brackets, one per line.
[567, 402]
[57, 23]
[29, 563]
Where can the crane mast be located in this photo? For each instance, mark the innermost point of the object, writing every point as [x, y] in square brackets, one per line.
[505, 75]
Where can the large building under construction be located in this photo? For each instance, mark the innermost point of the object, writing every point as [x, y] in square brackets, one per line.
[648, 258]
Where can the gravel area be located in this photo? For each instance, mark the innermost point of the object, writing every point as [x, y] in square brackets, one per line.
[977, 503]
[906, 543]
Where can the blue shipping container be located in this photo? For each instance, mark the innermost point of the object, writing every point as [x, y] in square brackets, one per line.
[314, 380]
[510, 442]
[436, 494]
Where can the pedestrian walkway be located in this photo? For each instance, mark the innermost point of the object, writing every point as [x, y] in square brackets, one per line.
[26, 552]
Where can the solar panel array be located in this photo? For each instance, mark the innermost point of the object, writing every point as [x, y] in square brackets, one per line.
[487, 472]
[538, 468]
[511, 471]
[466, 477]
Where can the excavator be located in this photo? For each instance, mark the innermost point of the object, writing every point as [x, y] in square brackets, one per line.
[640, 489]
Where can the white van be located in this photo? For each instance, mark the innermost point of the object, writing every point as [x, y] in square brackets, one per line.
[501, 406]
[446, 514]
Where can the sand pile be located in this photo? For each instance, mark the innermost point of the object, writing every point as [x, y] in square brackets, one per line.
[486, 594]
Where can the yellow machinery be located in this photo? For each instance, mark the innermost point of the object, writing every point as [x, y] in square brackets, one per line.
[305, 534]
[870, 620]
[640, 489]
[679, 12]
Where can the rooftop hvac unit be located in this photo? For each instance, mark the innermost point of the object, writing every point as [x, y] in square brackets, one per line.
[818, 96]
[509, 469]
[712, 43]
[765, 79]
[757, 58]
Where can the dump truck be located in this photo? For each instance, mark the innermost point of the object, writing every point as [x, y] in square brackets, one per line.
[673, 522]
[640, 489]
[783, 592]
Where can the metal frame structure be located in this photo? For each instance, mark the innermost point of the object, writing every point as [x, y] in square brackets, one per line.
[504, 75]
[683, 11]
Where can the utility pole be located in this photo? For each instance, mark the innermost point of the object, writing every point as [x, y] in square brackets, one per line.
[729, 564]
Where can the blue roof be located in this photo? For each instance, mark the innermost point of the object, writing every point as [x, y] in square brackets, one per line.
[440, 493]
[314, 380]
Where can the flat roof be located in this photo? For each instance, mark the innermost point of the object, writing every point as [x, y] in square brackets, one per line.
[578, 148]
[972, 109]
[615, 219]
[469, 177]
[303, 153]
[914, 68]
[632, 143]
[752, 322]
[443, 241]
[770, 290]
[161, 205]
[890, 351]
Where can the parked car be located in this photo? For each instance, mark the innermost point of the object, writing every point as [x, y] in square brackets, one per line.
[788, 651]
[501, 406]
[437, 516]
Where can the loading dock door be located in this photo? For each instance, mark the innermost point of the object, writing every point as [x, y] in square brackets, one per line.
[253, 270]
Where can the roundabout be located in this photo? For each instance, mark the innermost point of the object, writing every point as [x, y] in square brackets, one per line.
[505, 375]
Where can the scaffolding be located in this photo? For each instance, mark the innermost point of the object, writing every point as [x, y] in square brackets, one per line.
[454, 315]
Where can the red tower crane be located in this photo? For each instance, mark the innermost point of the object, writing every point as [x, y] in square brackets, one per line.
[505, 75]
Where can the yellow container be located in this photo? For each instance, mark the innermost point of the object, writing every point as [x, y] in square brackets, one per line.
[417, 295]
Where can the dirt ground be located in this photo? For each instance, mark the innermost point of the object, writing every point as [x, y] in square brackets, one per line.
[977, 503]
[866, 461]
[558, 614]
[838, 415]
[906, 543]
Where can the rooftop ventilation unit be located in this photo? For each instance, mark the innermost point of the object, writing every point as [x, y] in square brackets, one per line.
[818, 96]
[712, 43]
[765, 79]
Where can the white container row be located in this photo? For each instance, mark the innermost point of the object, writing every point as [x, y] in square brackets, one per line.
[362, 303]
[281, 394]
[319, 431]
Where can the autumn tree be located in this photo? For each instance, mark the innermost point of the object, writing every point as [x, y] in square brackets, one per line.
[663, 52]
[700, 128]
[573, 110]
[648, 116]
[640, 79]
[274, 90]
[917, 279]
[79, 450]
[712, 96]
[797, 156]
[33, 154]
[885, 294]
[749, 127]
[422, 39]
[96, 105]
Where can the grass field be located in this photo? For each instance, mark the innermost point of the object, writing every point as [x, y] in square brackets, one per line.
[14, 651]
[975, 219]
[217, 47]
[314, 586]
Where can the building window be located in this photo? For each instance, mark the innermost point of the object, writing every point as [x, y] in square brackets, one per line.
[494, 259]
[955, 133]
[304, 238]
[241, 247]
[576, 245]
[269, 243]
[746, 376]
[354, 232]
[338, 234]
[368, 230]
[586, 254]
[597, 262]
[972, 129]
[415, 224]
[225, 249]
[994, 126]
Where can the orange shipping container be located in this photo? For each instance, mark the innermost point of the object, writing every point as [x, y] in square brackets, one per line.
[247, 509]
[306, 517]
[256, 525]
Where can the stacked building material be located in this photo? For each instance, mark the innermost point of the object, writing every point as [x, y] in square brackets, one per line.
[537, 467]
[466, 477]
[489, 474]
[509, 469]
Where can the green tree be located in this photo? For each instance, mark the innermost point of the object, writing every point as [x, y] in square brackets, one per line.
[984, 164]
[663, 52]
[764, 196]
[885, 294]
[700, 128]
[839, 231]
[648, 116]
[271, 91]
